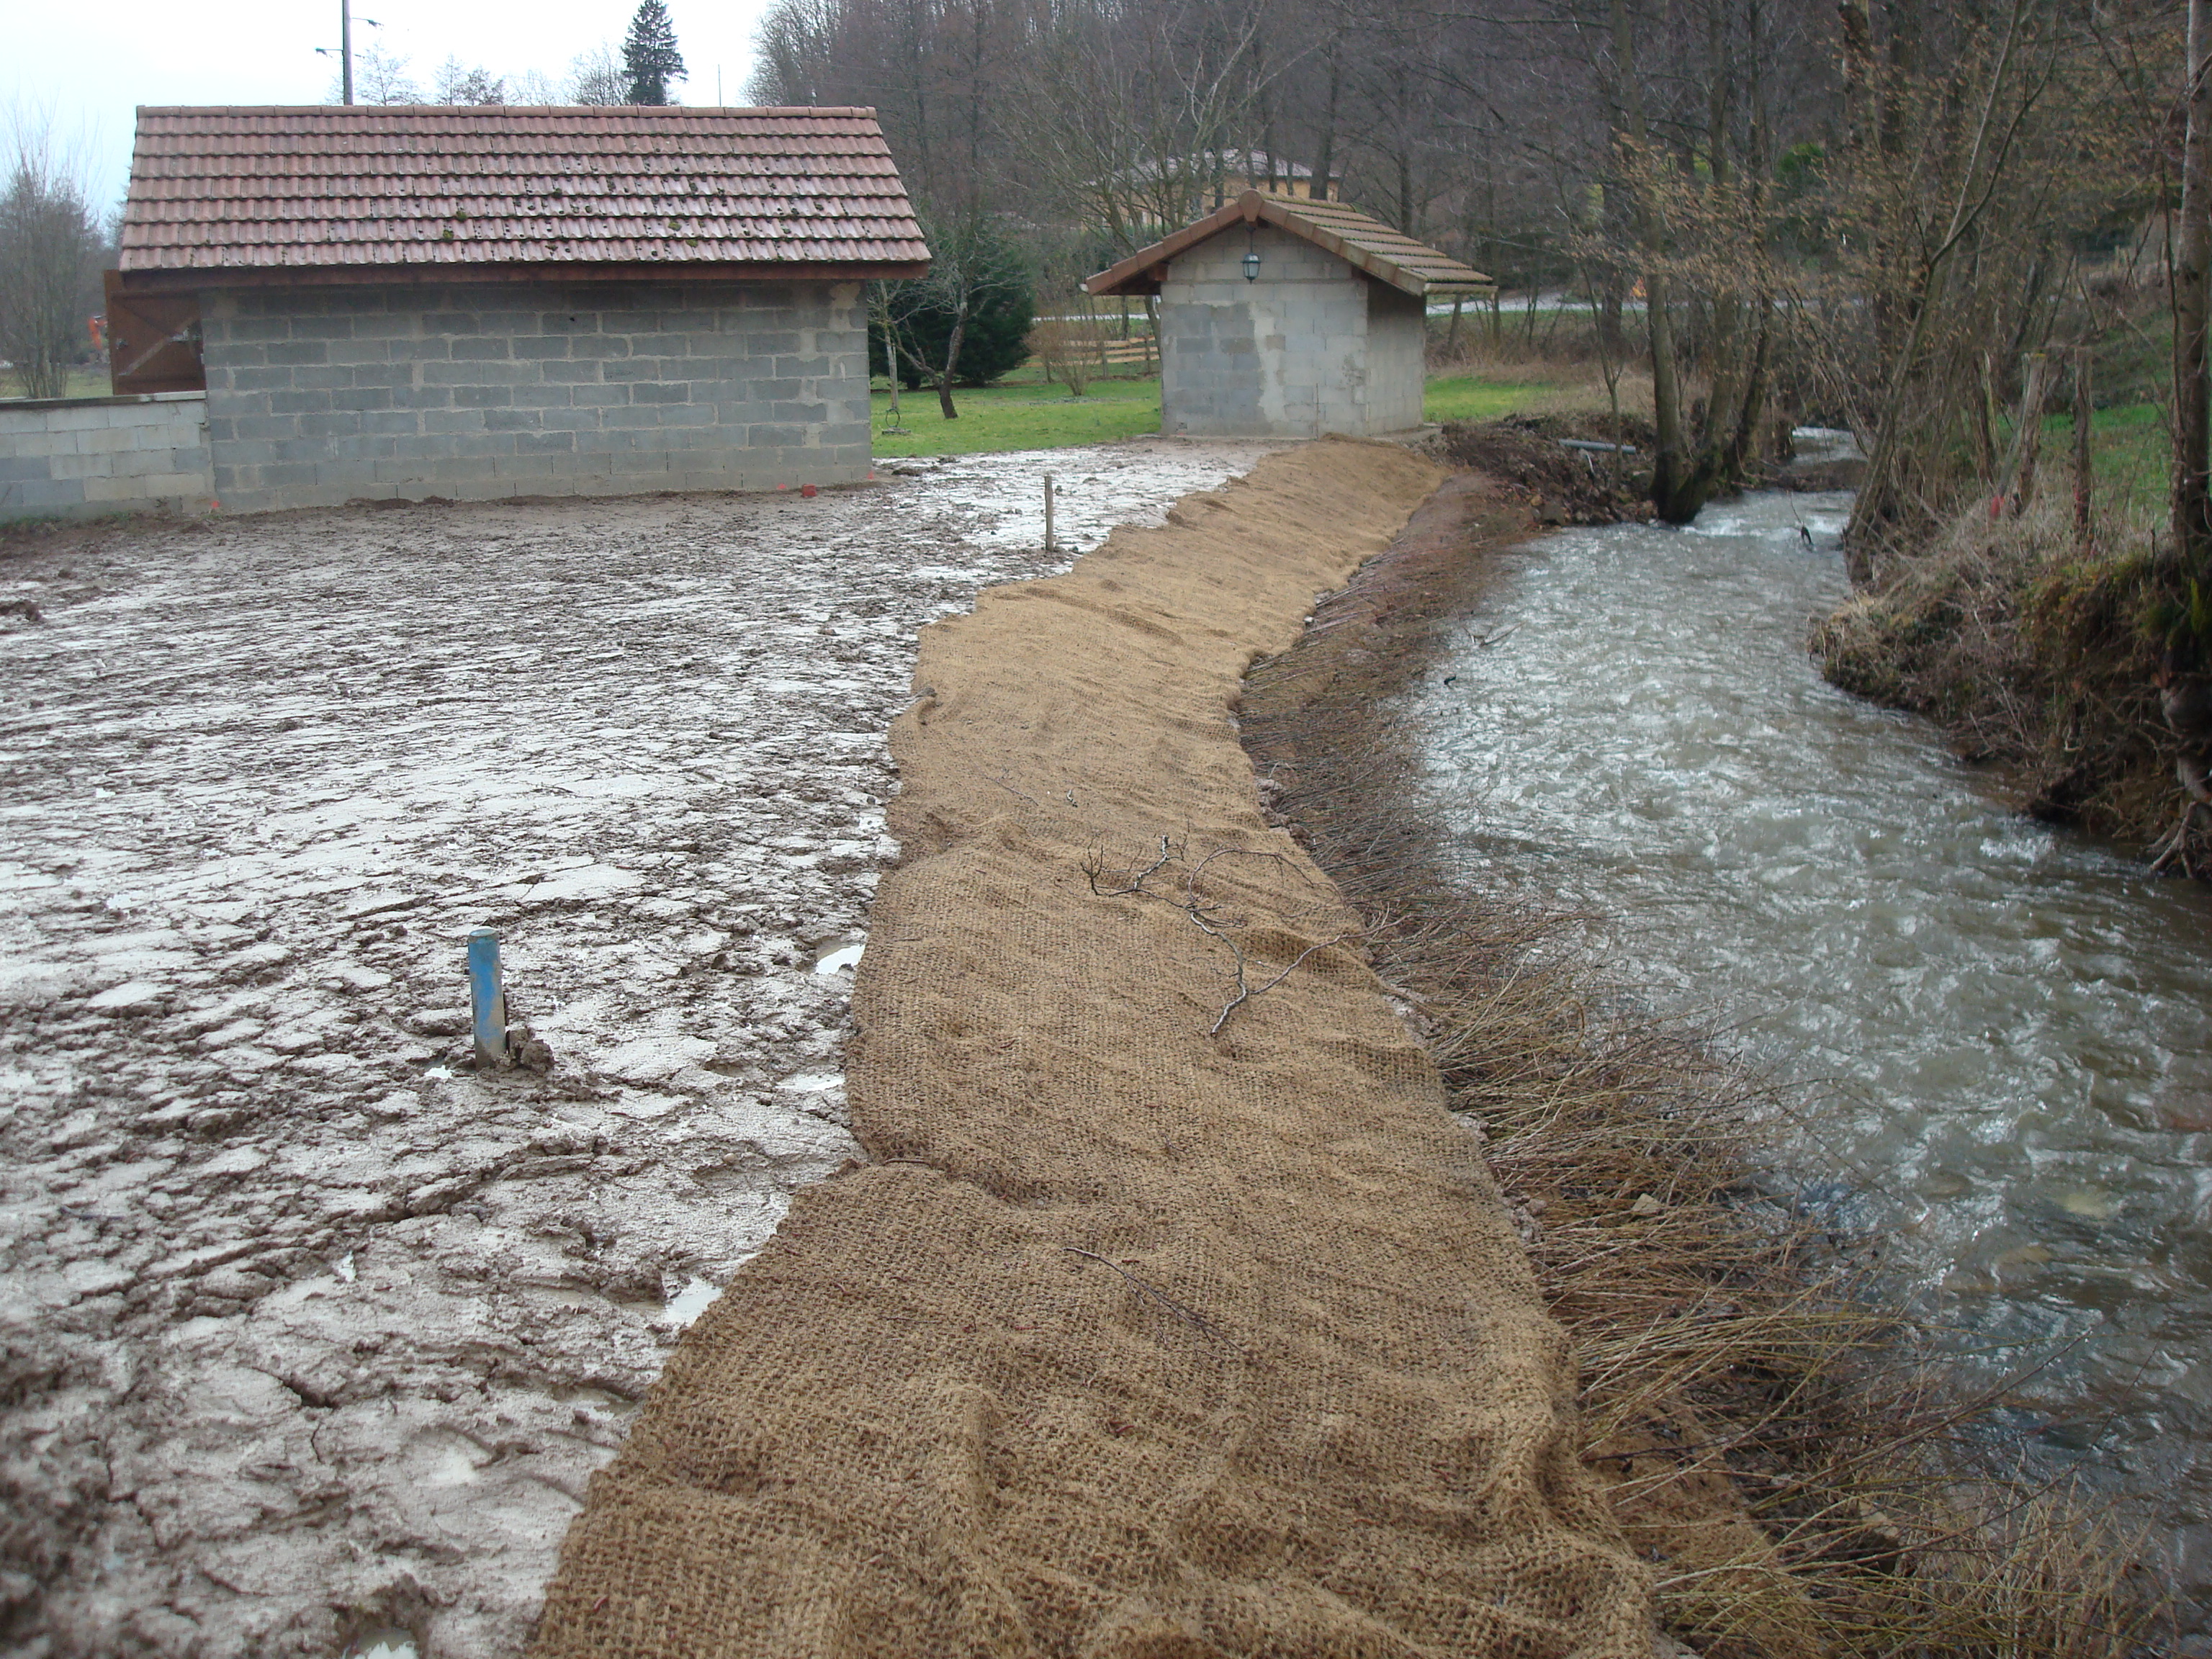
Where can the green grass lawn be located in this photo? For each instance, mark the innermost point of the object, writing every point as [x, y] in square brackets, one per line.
[2128, 445]
[82, 383]
[1465, 399]
[1017, 417]
[1036, 417]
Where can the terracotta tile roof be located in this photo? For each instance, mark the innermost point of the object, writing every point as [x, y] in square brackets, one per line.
[327, 190]
[1385, 254]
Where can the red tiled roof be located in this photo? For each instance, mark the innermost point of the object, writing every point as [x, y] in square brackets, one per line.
[1388, 256]
[329, 189]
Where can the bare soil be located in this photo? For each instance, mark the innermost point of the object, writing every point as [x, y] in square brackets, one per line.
[307, 1328]
[1524, 459]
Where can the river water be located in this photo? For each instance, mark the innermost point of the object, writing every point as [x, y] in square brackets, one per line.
[1997, 1036]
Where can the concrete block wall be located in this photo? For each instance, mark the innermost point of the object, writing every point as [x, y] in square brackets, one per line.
[1291, 355]
[319, 396]
[77, 457]
[1397, 358]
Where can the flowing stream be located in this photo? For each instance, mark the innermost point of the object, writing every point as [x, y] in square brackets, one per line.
[2000, 1033]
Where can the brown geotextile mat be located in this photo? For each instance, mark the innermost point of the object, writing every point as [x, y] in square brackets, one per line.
[1163, 1323]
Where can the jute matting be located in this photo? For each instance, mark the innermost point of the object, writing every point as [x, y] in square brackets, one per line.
[1134, 1341]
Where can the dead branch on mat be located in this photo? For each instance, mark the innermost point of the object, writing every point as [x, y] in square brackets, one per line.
[1190, 1317]
[1211, 916]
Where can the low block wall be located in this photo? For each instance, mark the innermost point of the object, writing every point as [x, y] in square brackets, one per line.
[317, 397]
[76, 457]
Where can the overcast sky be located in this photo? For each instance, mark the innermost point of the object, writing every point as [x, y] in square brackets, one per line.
[91, 69]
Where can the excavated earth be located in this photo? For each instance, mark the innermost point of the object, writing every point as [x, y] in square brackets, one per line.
[307, 1328]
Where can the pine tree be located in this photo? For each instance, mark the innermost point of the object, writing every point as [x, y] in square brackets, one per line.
[649, 54]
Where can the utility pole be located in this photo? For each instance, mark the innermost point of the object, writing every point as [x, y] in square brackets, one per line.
[345, 48]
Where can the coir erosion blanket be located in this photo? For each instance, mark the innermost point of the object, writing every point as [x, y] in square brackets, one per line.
[1162, 1322]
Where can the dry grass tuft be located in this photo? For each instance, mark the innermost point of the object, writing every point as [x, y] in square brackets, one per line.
[1786, 1451]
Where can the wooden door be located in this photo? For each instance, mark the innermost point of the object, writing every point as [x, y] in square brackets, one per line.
[153, 341]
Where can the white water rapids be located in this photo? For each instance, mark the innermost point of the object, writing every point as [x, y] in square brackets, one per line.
[2000, 1034]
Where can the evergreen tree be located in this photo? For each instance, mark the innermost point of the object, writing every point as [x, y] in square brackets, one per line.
[649, 54]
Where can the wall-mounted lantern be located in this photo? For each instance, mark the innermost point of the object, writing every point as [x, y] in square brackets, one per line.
[1251, 265]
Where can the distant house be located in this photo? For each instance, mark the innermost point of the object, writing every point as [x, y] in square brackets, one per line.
[409, 300]
[1230, 173]
[1284, 317]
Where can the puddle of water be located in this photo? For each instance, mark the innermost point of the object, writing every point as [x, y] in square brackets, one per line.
[382, 1644]
[813, 1083]
[836, 957]
[2005, 1030]
[687, 1304]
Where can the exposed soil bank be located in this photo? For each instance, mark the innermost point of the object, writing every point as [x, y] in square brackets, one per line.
[1175, 1314]
[2034, 656]
[304, 1324]
[1525, 460]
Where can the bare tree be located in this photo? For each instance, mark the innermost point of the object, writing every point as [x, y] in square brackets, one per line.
[597, 78]
[972, 269]
[380, 77]
[1132, 128]
[49, 246]
[1980, 142]
[456, 82]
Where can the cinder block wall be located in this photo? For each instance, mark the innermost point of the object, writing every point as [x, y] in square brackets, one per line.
[478, 391]
[1291, 355]
[1397, 358]
[76, 457]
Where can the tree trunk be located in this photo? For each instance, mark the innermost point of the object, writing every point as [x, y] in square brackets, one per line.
[1677, 490]
[1326, 158]
[1985, 421]
[1743, 444]
[1612, 337]
[952, 363]
[2028, 432]
[2192, 308]
[1857, 73]
[2084, 472]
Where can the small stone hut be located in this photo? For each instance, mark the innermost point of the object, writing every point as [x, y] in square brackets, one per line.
[403, 301]
[1285, 318]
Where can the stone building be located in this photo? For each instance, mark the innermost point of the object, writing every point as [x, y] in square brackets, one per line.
[1282, 317]
[410, 301]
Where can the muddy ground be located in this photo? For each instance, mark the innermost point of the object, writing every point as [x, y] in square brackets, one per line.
[306, 1327]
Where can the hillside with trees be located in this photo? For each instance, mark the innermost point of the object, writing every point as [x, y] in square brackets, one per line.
[1940, 226]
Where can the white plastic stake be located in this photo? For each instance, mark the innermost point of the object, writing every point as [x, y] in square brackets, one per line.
[1048, 512]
